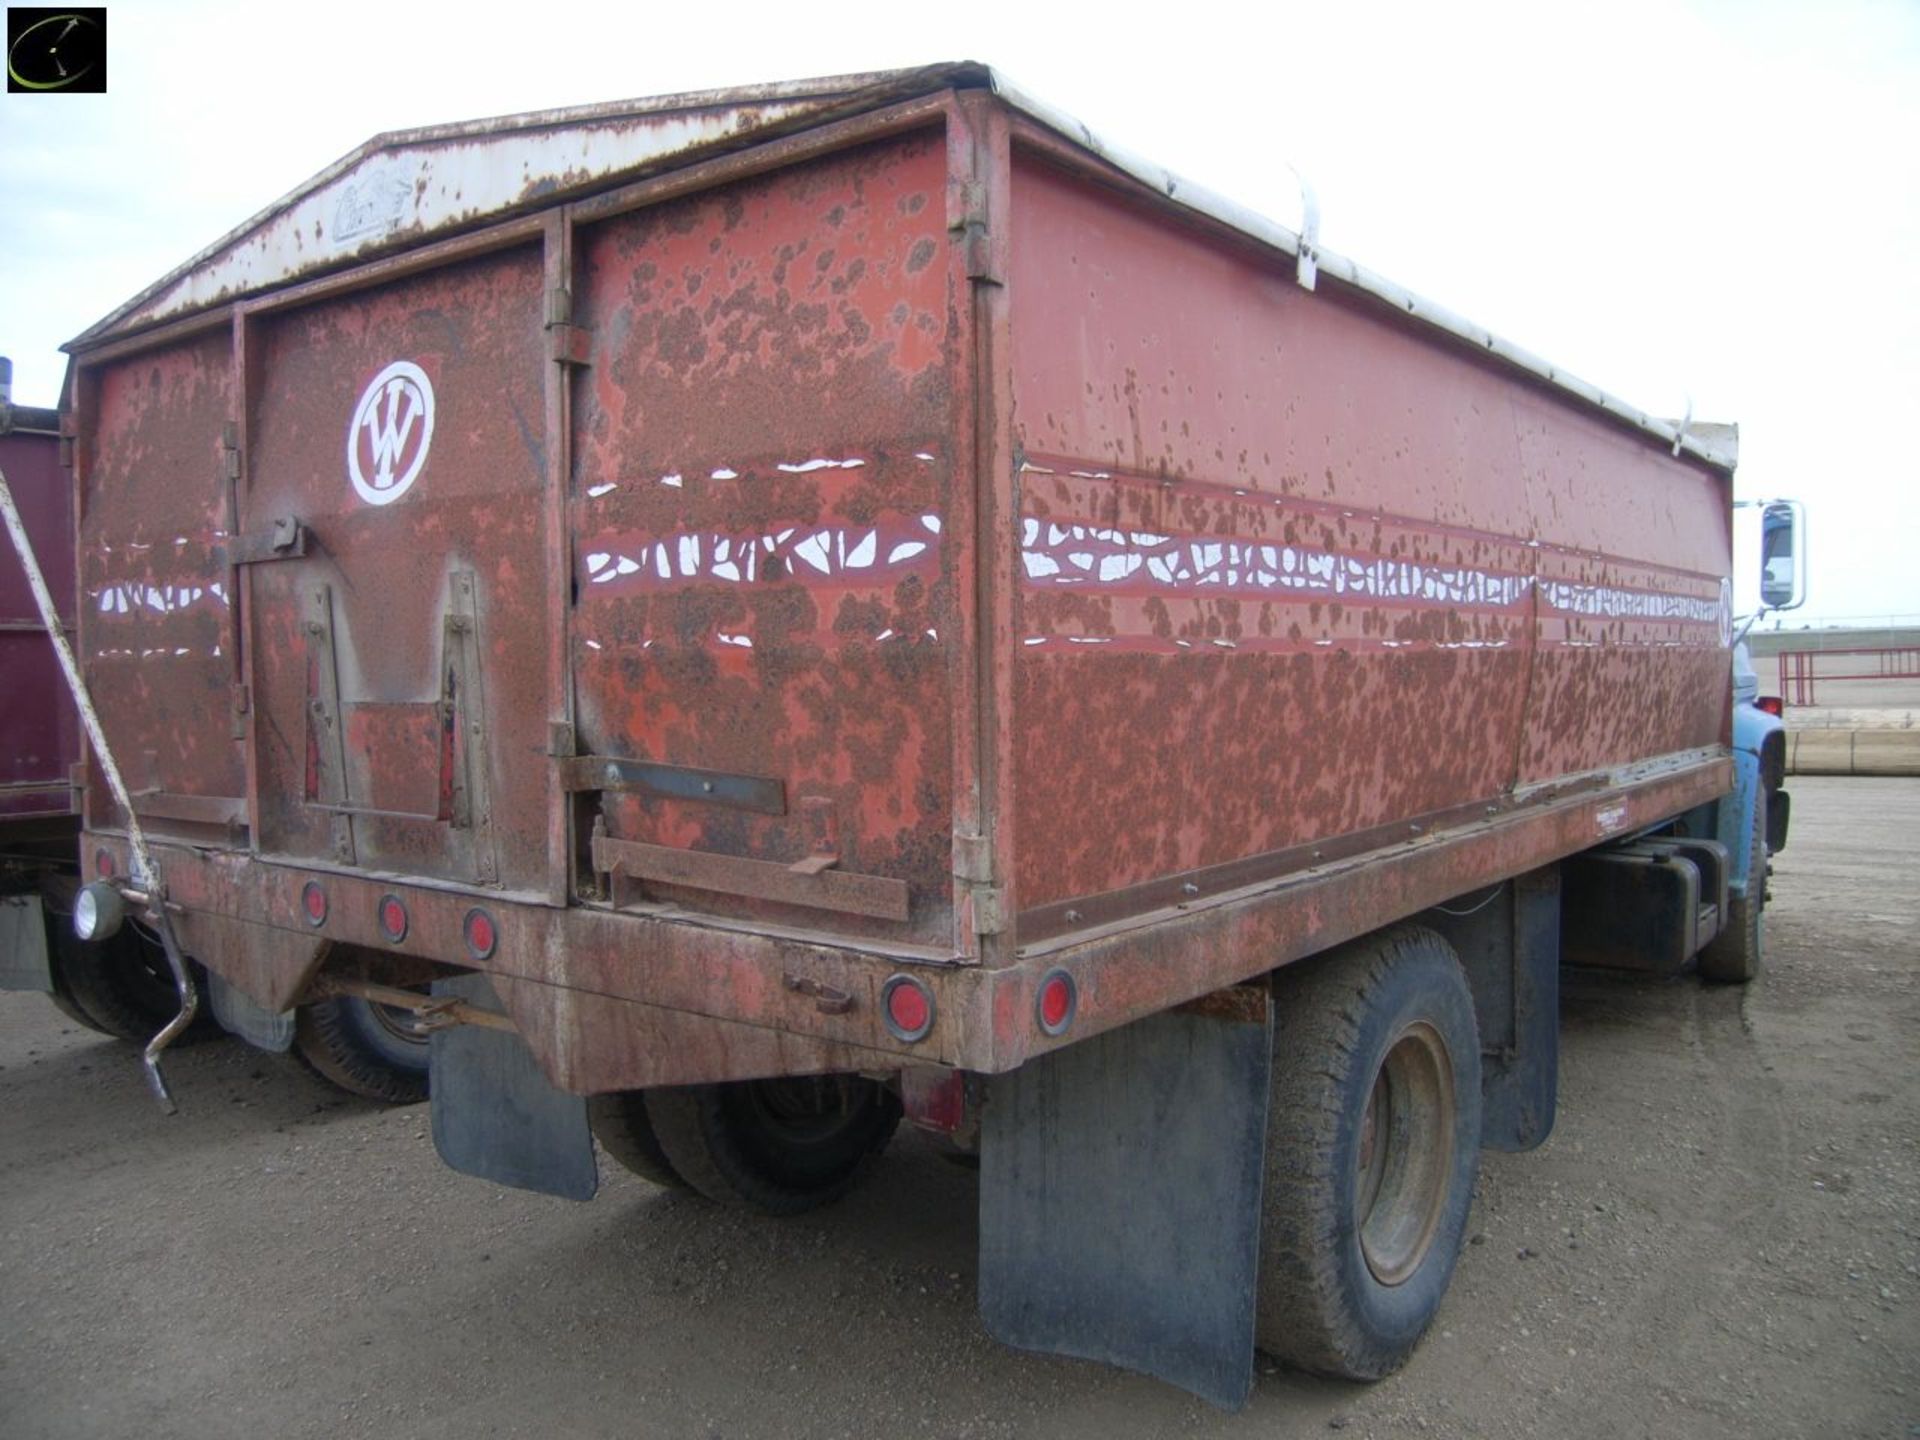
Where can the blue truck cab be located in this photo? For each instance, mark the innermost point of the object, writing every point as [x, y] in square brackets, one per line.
[1760, 772]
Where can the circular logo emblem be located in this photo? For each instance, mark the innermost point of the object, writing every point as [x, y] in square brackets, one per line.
[391, 431]
[56, 53]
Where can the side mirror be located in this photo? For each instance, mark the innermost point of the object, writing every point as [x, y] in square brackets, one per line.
[1781, 556]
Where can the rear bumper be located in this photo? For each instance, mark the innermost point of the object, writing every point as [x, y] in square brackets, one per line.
[614, 1000]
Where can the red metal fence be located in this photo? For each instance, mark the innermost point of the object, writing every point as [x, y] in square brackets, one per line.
[1802, 670]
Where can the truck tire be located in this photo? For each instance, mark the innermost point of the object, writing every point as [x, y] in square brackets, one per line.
[60, 938]
[776, 1146]
[363, 1047]
[67, 1006]
[123, 987]
[1373, 1143]
[625, 1131]
[1733, 956]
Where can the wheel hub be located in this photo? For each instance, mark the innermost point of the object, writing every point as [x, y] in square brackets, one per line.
[1405, 1154]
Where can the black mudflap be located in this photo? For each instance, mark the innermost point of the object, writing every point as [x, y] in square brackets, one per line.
[239, 1014]
[1510, 948]
[1120, 1196]
[496, 1116]
[24, 960]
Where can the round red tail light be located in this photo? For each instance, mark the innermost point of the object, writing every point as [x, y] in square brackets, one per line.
[906, 1004]
[313, 901]
[480, 933]
[1055, 1003]
[393, 919]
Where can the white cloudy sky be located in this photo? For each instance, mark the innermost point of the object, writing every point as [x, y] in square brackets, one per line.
[1672, 198]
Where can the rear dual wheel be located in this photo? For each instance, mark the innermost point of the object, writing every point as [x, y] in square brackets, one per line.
[1373, 1144]
[378, 1052]
[776, 1146]
[121, 986]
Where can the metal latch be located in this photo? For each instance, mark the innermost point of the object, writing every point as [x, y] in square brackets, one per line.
[1306, 259]
[284, 539]
[827, 999]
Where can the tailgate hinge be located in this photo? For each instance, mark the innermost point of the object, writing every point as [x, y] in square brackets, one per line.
[989, 910]
[230, 452]
[972, 858]
[570, 344]
[969, 221]
[973, 867]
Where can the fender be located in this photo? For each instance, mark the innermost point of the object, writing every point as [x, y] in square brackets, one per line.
[1753, 729]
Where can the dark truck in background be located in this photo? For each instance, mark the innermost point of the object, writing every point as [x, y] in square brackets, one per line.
[114, 986]
[118, 985]
[758, 613]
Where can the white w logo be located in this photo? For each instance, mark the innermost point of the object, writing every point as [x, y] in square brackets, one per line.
[388, 427]
[399, 401]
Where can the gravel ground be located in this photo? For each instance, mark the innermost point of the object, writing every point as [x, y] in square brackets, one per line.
[1722, 1238]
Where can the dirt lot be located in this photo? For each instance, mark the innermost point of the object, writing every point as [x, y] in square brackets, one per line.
[1722, 1238]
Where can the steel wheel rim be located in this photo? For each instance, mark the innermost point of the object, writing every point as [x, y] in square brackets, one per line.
[402, 1025]
[1404, 1158]
[805, 1110]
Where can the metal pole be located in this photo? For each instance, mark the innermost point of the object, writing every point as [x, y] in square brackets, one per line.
[144, 871]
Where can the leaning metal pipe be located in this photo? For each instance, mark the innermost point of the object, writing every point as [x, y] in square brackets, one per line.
[142, 858]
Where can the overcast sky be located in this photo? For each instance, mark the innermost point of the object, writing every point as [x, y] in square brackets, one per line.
[1715, 199]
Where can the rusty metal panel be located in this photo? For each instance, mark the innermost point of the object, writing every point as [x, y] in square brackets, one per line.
[1634, 596]
[408, 187]
[39, 731]
[156, 596]
[399, 665]
[1293, 572]
[762, 480]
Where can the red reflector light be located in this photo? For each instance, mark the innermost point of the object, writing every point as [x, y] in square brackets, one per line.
[103, 864]
[1053, 1007]
[313, 900]
[1771, 704]
[393, 919]
[481, 935]
[907, 1006]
